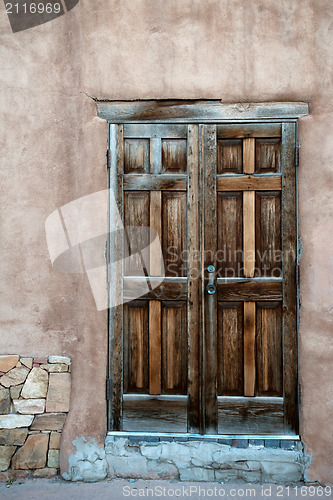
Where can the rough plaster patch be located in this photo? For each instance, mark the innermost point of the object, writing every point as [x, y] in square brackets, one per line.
[88, 463]
[202, 461]
[308, 459]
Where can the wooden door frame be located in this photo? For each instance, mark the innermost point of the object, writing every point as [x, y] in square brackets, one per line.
[207, 112]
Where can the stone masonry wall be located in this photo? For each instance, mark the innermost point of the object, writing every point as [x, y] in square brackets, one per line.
[34, 402]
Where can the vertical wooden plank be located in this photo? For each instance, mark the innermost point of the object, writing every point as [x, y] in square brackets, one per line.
[289, 248]
[155, 155]
[156, 223]
[154, 347]
[249, 348]
[249, 155]
[194, 326]
[249, 233]
[209, 196]
[115, 271]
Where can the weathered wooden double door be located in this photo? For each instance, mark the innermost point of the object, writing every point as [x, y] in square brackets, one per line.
[212, 348]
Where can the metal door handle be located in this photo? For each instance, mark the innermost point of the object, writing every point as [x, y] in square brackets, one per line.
[211, 289]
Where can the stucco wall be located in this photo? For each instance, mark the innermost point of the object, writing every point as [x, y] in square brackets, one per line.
[53, 151]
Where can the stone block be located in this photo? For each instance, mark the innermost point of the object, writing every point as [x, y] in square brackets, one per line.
[40, 361]
[281, 472]
[257, 443]
[33, 453]
[53, 458]
[58, 368]
[55, 438]
[250, 476]
[287, 445]
[59, 392]
[151, 452]
[29, 406]
[36, 384]
[226, 475]
[135, 440]
[15, 437]
[203, 457]
[196, 474]
[178, 453]
[139, 467]
[15, 421]
[45, 473]
[15, 392]
[16, 376]
[272, 443]
[59, 359]
[8, 362]
[118, 447]
[4, 401]
[12, 475]
[240, 443]
[227, 442]
[151, 439]
[6, 453]
[49, 422]
[27, 362]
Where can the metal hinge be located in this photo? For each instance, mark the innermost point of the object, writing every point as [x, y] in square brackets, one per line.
[108, 389]
[108, 158]
[297, 155]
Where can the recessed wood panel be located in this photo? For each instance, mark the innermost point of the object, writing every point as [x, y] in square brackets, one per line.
[268, 156]
[174, 352]
[136, 355]
[174, 233]
[249, 348]
[174, 158]
[230, 379]
[155, 414]
[136, 158]
[154, 347]
[136, 215]
[250, 415]
[229, 234]
[269, 348]
[268, 234]
[230, 156]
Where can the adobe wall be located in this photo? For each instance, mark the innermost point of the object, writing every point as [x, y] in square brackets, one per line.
[53, 151]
